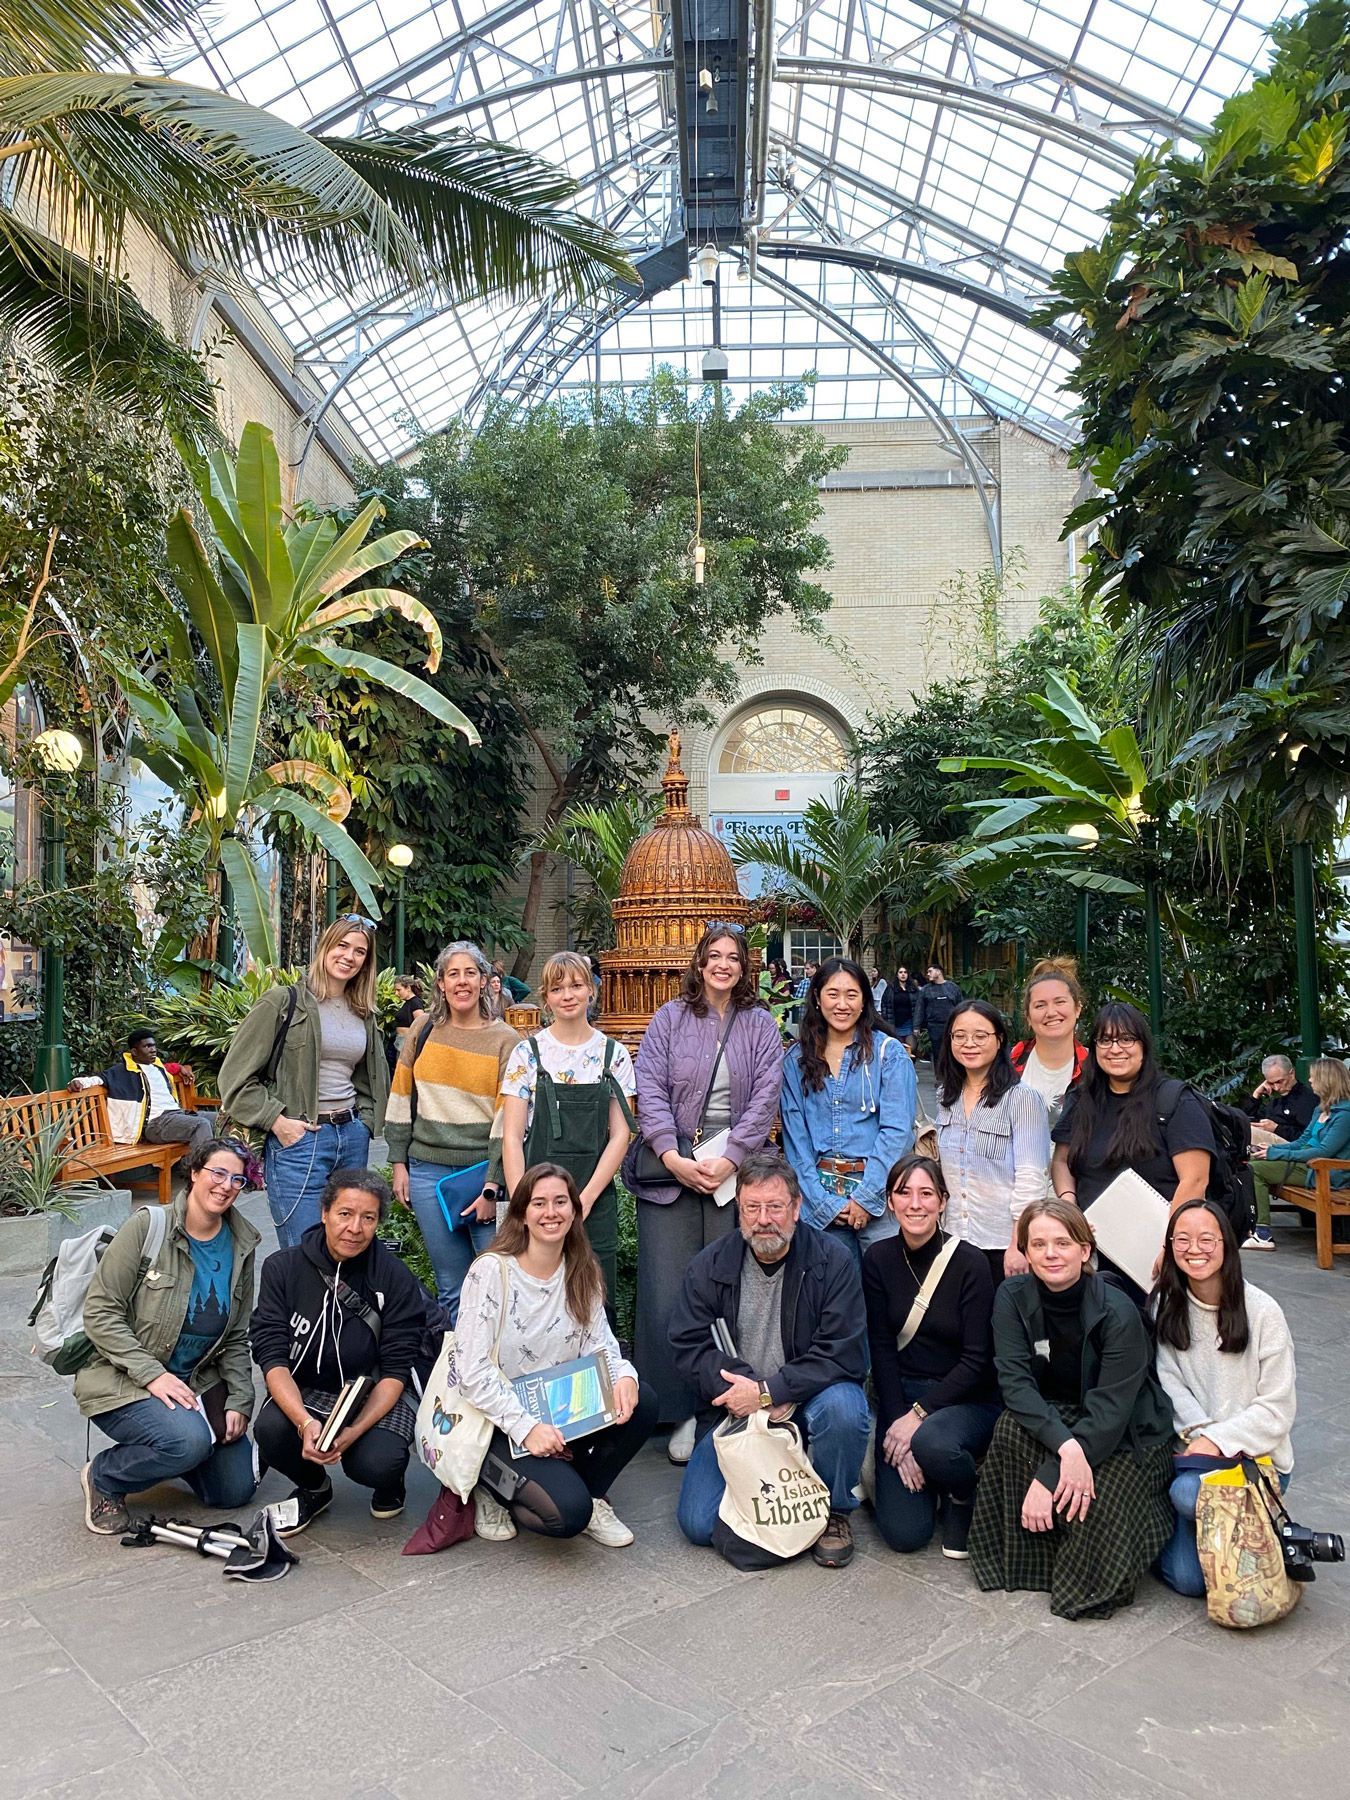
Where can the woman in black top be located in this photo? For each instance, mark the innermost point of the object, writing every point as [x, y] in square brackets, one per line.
[936, 1399]
[1074, 1493]
[1123, 1113]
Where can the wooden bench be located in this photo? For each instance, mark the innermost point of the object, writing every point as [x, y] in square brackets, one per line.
[1323, 1201]
[190, 1099]
[87, 1142]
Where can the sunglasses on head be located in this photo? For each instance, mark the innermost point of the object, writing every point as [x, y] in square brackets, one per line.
[724, 927]
[359, 919]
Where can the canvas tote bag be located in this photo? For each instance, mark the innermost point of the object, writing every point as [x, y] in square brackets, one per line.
[1240, 1553]
[774, 1501]
[451, 1434]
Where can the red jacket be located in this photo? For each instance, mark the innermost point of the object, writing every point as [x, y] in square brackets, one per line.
[1020, 1053]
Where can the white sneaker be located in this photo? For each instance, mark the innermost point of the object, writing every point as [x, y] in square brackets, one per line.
[1257, 1242]
[607, 1528]
[491, 1521]
[681, 1445]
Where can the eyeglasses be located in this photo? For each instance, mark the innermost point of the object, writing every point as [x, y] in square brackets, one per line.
[724, 925]
[359, 919]
[771, 1209]
[1205, 1245]
[1119, 1042]
[227, 1176]
[973, 1040]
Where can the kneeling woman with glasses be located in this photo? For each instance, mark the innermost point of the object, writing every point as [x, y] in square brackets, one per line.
[535, 1299]
[169, 1380]
[929, 1299]
[1073, 1493]
[337, 1305]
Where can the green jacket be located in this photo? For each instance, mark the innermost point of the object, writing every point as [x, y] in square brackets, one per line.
[134, 1330]
[251, 1101]
[1121, 1399]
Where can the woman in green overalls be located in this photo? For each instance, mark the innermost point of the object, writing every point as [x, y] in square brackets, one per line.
[566, 1099]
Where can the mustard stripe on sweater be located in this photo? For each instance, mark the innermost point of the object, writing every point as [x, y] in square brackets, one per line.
[458, 1075]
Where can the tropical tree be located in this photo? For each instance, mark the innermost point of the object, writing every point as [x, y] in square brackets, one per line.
[266, 607]
[597, 840]
[841, 865]
[88, 150]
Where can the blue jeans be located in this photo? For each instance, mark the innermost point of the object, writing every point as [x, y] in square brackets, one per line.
[451, 1252]
[834, 1422]
[947, 1447]
[295, 1177]
[154, 1443]
[1179, 1561]
[873, 1232]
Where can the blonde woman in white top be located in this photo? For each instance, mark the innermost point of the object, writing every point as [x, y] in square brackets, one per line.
[534, 1299]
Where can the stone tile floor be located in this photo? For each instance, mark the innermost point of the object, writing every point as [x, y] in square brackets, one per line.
[537, 1669]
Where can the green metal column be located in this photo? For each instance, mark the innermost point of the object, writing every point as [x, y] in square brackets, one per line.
[330, 892]
[1081, 929]
[399, 923]
[53, 1063]
[1153, 950]
[225, 930]
[1305, 938]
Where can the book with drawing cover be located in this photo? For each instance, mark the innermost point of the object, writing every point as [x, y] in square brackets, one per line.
[575, 1396]
[348, 1404]
[1129, 1221]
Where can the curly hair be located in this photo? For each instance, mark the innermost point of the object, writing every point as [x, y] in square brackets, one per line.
[745, 992]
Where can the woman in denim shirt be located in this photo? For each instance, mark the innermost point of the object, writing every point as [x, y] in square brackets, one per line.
[993, 1136]
[848, 1105]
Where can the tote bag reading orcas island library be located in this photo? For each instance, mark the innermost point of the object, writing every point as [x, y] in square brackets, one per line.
[775, 1505]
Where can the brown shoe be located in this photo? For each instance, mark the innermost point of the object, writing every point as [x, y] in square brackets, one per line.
[833, 1549]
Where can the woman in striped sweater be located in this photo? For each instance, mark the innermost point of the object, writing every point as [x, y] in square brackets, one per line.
[445, 1113]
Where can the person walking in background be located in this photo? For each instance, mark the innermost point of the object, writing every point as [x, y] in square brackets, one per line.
[710, 1061]
[1073, 1495]
[496, 996]
[143, 1101]
[1327, 1134]
[169, 1379]
[1051, 1059]
[934, 1005]
[445, 1113]
[993, 1136]
[408, 991]
[307, 1067]
[932, 1366]
[1122, 1113]
[897, 1003]
[848, 1107]
[879, 984]
[566, 1101]
[1226, 1363]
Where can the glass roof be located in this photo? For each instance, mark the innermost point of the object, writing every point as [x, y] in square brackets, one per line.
[928, 162]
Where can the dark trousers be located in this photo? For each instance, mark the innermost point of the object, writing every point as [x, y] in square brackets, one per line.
[377, 1459]
[669, 1238]
[553, 1494]
[947, 1447]
[189, 1129]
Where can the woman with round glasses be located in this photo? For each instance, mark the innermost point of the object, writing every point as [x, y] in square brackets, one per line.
[169, 1378]
[711, 1062]
[1226, 1362]
[1123, 1113]
[307, 1067]
[993, 1136]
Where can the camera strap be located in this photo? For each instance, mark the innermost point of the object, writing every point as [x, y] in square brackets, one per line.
[1269, 1492]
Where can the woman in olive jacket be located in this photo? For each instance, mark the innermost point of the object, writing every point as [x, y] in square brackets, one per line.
[170, 1379]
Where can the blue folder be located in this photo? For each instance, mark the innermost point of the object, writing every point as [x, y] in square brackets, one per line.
[455, 1190]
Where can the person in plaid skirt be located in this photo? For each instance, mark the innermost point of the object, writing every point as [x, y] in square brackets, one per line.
[1073, 1496]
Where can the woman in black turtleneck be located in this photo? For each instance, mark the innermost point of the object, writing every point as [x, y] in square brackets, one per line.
[936, 1399]
[1073, 1496]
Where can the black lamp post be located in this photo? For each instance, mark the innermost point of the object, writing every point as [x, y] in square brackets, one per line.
[399, 857]
[60, 754]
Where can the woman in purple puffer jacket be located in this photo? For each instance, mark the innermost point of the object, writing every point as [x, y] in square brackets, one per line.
[711, 1062]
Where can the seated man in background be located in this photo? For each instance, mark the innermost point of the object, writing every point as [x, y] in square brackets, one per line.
[792, 1300]
[143, 1101]
[1282, 1104]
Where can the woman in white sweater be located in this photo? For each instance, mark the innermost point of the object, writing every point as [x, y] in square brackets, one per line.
[536, 1298]
[1226, 1362]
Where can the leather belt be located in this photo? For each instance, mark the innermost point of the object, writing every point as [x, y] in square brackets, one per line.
[342, 1118]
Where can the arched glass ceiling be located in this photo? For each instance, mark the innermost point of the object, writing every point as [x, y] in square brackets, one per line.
[927, 162]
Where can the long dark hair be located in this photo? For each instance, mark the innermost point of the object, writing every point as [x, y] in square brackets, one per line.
[1136, 1134]
[815, 1032]
[951, 1075]
[584, 1281]
[1172, 1322]
[745, 992]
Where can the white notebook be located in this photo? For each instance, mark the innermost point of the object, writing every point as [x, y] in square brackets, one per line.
[1129, 1220]
[708, 1151]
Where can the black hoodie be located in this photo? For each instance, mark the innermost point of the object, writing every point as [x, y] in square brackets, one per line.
[298, 1324]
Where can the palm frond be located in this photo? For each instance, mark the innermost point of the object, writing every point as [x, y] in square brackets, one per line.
[38, 35]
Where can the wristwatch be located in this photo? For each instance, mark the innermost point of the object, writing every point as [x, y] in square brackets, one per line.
[765, 1399]
[918, 1411]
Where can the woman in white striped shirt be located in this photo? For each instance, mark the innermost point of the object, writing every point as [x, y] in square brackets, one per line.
[993, 1136]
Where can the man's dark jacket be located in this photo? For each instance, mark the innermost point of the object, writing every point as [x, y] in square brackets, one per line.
[823, 1319]
[1290, 1113]
[933, 1008]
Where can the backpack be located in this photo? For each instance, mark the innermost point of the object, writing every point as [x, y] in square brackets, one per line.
[1231, 1186]
[57, 1317]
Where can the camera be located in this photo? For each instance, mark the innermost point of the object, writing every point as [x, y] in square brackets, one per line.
[1302, 1548]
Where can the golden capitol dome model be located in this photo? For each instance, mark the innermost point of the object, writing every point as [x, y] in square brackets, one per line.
[676, 880]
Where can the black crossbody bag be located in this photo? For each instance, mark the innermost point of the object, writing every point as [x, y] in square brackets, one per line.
[647, 1168]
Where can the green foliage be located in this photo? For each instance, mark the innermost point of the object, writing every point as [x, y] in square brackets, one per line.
[400, 1231]
[30, 1173]
[1213, 329]
[597, 839]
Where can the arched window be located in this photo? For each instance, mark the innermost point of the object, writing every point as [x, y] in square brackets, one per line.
[783, 740]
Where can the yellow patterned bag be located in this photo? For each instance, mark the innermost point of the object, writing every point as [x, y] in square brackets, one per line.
[1240, 1552]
